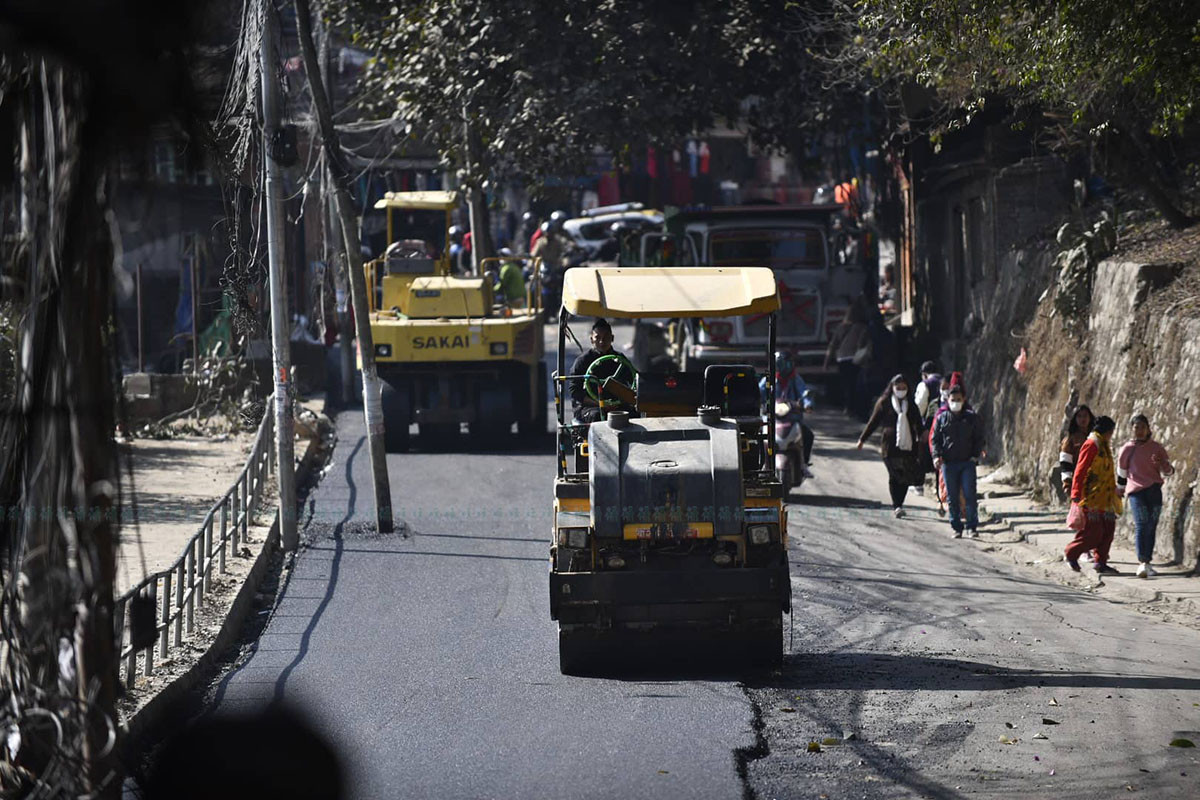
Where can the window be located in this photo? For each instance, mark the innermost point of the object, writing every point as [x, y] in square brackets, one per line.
[798, 248]
[165, 167]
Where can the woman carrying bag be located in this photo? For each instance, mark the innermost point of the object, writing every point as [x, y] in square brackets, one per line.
[896, 416]
[1095, 503]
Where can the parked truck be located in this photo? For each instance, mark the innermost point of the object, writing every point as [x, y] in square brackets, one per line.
[821, 260]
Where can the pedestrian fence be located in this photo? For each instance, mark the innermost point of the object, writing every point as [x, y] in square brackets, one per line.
[175, 593]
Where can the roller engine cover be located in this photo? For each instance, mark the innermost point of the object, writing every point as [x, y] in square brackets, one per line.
[671, 472]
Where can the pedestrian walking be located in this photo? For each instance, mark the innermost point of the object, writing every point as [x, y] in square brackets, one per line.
[896, 417]
[927, 398]
[1080, 426]
[928, 395]
[956, 446]
[1141, 465]
[1094, 490]
[948, 382]
[850, 348]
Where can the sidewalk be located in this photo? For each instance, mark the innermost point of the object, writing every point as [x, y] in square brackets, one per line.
[175, 483]
[1034, 535]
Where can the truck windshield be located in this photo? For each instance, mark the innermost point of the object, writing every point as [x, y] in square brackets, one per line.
[801, 248]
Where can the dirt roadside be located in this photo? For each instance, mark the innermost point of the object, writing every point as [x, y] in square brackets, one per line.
[1032, 534]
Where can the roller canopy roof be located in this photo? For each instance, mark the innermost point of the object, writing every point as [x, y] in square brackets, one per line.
[421, 200]
[669, 291]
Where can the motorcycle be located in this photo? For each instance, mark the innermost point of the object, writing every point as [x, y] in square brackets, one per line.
[790, 444]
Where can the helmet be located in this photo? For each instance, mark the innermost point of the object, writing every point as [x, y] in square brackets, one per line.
[545, 227]
[504, 251]
[783, 362]
[455, 232]
[528, 217]
[558, 216]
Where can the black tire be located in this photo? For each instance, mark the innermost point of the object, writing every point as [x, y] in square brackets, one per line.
[573, 653]
[535, 426]
[489, 435]
[765, 647]
[396, 418]
[438, 436]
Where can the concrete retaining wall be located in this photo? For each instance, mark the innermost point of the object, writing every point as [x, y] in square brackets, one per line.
[1135, 353]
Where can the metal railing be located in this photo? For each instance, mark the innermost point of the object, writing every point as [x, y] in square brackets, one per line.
[177, 591]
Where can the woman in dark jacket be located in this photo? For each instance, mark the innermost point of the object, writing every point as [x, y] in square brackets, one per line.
[899, 423]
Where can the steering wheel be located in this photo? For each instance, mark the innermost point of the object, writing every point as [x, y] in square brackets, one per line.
[612, 365]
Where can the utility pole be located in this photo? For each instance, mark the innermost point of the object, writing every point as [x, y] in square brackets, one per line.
[280, 347]
[341, 281]
[340, 179]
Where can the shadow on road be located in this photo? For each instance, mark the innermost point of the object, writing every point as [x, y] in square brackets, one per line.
[875, 671]
[464, 444]
[832, 501]
[334, 566]
[666, 657]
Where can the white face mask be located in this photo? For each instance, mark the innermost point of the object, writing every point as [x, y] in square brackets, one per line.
[956, 405]
[899, 393]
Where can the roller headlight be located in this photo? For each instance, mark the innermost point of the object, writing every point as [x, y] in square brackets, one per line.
[760, 534]
[615, 562]
[573, 537]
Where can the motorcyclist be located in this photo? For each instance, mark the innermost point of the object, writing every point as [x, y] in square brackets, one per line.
[526, 231]
[613, 247]
[551, 248]
[791, 388]
[551, 245]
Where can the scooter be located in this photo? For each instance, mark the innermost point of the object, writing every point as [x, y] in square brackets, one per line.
[790, 467]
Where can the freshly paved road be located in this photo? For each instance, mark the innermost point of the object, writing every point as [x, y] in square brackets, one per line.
[431, 660]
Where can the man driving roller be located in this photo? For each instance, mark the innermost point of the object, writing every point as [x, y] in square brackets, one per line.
[585, 408]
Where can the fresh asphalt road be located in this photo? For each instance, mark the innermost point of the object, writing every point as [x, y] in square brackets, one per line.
[430, 660]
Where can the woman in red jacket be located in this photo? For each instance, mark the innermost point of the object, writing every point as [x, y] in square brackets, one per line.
[1094, 488]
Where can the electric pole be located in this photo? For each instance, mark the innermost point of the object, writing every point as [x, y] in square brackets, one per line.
[372, 399]
[280, 347]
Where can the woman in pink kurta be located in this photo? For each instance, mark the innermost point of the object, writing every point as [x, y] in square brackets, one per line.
[1141, 466]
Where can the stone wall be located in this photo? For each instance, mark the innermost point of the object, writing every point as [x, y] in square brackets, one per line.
[1137, 352]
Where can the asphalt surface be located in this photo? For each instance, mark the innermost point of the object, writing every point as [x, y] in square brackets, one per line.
[431, 662]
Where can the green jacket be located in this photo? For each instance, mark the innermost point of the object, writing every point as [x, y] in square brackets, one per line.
[512, 283]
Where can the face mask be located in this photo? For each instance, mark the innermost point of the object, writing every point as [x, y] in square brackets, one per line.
[956, 405]
[945, 394]
[899, 393]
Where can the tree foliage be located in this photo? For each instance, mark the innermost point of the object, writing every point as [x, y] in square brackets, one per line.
[1119, 73]
[544, 88]
[1098, 62]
